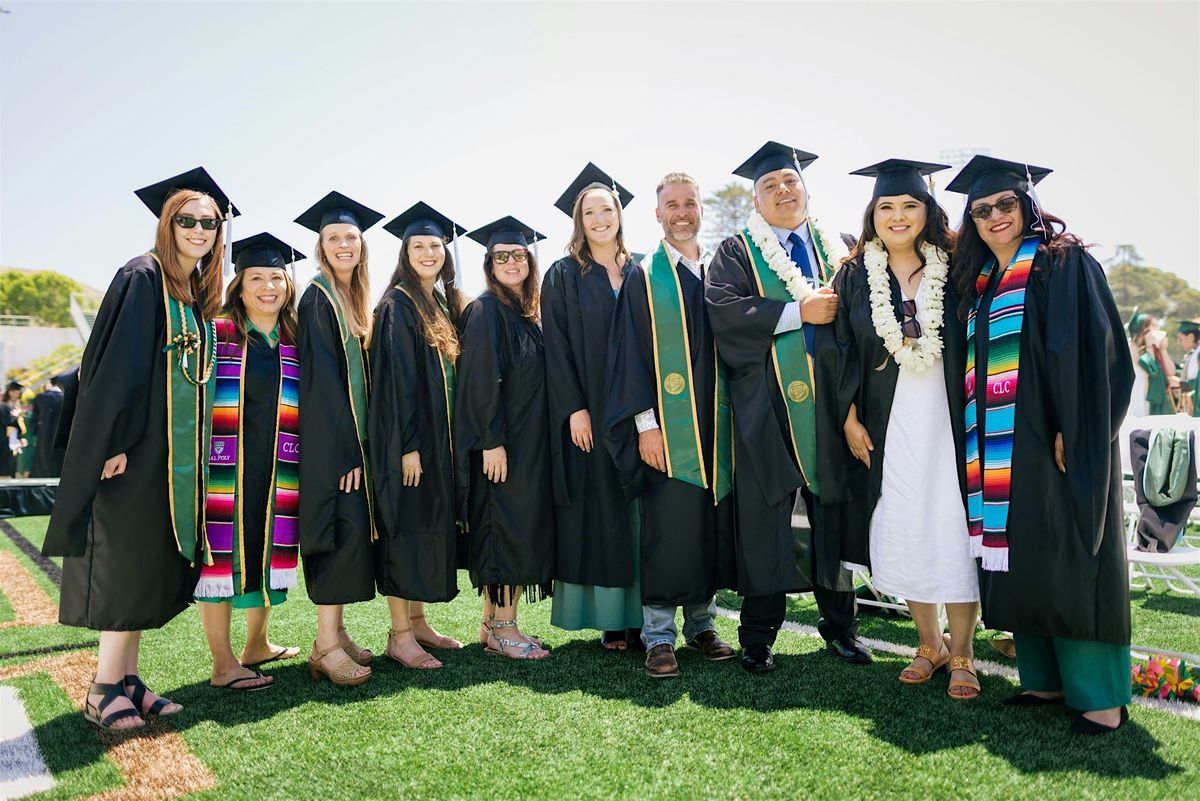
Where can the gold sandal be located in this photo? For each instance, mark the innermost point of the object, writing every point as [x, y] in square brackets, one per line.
[360, 655]
[419, 662]
[928, 654]
[963, 663]
[343, 673]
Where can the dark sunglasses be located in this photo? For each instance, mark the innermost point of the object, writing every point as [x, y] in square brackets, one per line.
[908, 324]
[1006, 205]
[501, 256]
[207, 223]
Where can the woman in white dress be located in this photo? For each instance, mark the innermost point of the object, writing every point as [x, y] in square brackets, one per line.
[897, 397]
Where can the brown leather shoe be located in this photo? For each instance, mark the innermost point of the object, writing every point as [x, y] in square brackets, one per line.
[711, 646]
[661, 663]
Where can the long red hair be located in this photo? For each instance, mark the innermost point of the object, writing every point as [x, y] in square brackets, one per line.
[185, 284]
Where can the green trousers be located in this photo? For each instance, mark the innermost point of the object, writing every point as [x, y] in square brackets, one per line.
[1092, 675]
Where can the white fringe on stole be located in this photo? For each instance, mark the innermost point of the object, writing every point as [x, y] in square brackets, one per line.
[283, 579]
[214, 587]
[995, 560]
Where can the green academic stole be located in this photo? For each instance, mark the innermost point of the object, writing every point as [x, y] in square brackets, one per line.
[676, 400]
[187, 407]
[356, 387]
[793, 368]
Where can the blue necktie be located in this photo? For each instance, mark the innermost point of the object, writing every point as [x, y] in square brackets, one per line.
[800, 259]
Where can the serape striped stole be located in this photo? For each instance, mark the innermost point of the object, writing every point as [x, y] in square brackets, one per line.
[223, 507]
[989, 459]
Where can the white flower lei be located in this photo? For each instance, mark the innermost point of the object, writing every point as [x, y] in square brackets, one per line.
[782, 265]
[924, 352]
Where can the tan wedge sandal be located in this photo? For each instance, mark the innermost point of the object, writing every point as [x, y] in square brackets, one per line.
[913, 674]
[967, 690]
[344, 673]
[422, 661]
[362, 656]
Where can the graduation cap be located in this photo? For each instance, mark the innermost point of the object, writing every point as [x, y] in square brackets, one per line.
[337, 208]
[421, 219]
[592, 177]
[263, 250]
[14, 385]
[506, 231]
[1136, 321]
[985, 175]
[155, 196]
[771, 157]
[900, 177]
[1191, 326]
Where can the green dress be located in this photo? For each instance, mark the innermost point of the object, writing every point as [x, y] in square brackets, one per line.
[579, 606]
[1156, 385]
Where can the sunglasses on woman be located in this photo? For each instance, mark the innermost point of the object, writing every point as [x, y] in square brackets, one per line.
[207, 223]
[501, 256]
[1006, 205]
[909, 325]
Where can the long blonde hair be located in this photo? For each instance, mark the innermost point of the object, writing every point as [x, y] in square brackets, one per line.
[186, 285]
[355, 303]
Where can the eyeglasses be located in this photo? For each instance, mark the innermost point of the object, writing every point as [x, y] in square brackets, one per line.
[501, 256]
[1006, 205]
[207, 223]
[909, 326]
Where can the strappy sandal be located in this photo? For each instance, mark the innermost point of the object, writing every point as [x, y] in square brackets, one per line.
[360, 655]
[446, 643]
[139, 696]
[94, 713]
[963, 663]
[935, 660]
[485, 630]
[524, 649]
[420, 662]
[343, 673]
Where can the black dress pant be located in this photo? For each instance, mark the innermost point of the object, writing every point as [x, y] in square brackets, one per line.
[762, 615]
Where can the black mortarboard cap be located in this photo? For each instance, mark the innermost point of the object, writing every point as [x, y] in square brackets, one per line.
[155, 196]
[421, 219]
[263, 250]
[985, 175]
[771, 157]
[591, 177]
[900, 176]
[506, 231]
[337, 208]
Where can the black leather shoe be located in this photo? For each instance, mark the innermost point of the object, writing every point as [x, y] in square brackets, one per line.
[849, 649]
[758, 659]
[1029, 699]
[1083, 725]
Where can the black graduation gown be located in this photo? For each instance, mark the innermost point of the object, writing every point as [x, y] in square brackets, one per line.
[260, 411]
[594, 543]
[501, 400]
[417, 551]
[862, 372]
[771, 556]
[122, 570]
[48, 459]
[686, 541]
[1067, 573]
[8, 460]
[335, 526]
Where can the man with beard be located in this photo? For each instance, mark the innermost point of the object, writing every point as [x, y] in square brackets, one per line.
[667, 427]
[770, 309]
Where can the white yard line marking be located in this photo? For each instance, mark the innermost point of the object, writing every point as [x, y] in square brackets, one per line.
[22, 770]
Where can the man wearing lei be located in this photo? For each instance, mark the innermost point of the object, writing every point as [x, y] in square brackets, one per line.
[770, 306]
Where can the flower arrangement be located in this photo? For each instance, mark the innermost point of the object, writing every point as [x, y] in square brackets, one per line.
[1167, 679]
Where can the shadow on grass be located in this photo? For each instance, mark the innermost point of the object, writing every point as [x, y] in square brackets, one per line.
[918, 720]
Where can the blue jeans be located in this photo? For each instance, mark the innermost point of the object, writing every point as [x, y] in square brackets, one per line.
[658, 623]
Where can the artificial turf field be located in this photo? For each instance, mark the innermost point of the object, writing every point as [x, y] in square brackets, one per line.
[581, 724]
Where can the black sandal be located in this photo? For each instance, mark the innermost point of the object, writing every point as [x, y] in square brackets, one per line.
[111, 692]
[139, 695]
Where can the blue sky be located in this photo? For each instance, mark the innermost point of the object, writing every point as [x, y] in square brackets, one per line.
[486, 109]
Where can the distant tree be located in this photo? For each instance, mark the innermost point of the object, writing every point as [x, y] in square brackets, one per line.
[1151, 290]
[725, 212]
[43, 368]
[45, 296]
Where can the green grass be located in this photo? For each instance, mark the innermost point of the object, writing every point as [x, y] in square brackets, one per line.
[586, 724]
